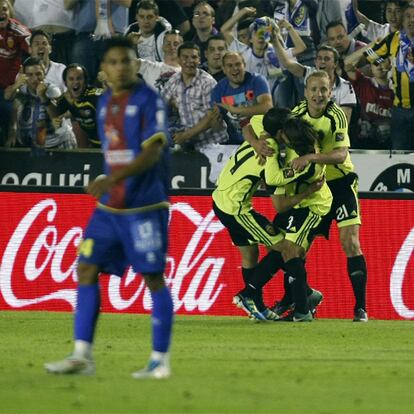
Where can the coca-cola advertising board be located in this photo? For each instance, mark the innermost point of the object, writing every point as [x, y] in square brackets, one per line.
[41, 233]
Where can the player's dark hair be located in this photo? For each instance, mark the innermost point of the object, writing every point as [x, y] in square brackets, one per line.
[187, 46]
[148, 5]
[117, 41]
[274, 120]
[40, 33]
[331, 49]
[72, 66]
[302, 137]
[33, 61]
[335, 23]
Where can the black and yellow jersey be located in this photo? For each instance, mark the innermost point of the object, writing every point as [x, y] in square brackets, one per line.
[242, 175]
[281, 179]
[84, 112]
[238, 181]
[389, 46]
[332, 129]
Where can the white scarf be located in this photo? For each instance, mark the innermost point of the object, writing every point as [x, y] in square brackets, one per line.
[104, 28]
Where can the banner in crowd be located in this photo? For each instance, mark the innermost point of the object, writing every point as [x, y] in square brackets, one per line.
[41, 233]
[378, 171]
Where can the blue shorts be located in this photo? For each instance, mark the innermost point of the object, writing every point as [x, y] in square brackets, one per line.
[115, 241]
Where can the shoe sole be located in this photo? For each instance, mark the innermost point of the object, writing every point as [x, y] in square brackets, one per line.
[151, 376]
[55, 372]
[85, 371]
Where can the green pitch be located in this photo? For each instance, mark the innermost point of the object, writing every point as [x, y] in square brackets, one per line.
[220, 365]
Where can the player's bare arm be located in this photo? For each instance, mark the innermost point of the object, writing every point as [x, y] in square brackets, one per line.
[336, 156]
[260, 146]
[283, 203]
[145, 160]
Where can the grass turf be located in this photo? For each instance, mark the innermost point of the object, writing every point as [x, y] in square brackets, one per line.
[220, 365]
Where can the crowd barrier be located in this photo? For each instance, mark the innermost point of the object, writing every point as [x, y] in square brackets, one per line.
[379, 171]
[42, 230]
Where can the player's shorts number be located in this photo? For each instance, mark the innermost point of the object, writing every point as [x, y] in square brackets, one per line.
[290, 222]
[86, 248]
[342, 213]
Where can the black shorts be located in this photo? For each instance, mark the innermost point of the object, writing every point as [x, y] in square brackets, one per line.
[345, 205]
[248, 229]
[300, 226]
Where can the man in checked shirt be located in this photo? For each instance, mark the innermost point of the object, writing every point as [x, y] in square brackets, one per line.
[190, 91]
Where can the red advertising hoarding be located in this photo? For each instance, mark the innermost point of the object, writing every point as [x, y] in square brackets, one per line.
[41, 232]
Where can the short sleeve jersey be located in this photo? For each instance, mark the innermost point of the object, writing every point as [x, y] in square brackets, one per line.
[126, 124]
[332, 128]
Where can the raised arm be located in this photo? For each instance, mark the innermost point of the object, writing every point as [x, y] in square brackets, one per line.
[358, 57]
[283, 203]
[360, 16]
[227, 27]
[294, 67]
[298, 44]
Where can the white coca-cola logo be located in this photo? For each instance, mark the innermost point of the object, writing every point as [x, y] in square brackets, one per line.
[202, 289]
[398, 274]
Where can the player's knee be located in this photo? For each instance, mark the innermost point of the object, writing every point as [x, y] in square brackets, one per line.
[250, 256]
[87, 273]
[292, 251]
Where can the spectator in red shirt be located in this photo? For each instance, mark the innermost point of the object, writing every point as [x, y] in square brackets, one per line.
[375, 96]
[13, 42]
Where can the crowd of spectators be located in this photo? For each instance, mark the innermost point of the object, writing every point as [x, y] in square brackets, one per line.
[216, 63]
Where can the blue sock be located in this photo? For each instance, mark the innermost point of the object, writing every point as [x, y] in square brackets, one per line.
[162, 319]
[87, 311]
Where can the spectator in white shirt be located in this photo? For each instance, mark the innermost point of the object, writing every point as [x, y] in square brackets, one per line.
[375, 30]
[157, 74]
[41, 47]
[148, 31]
[260, 57]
